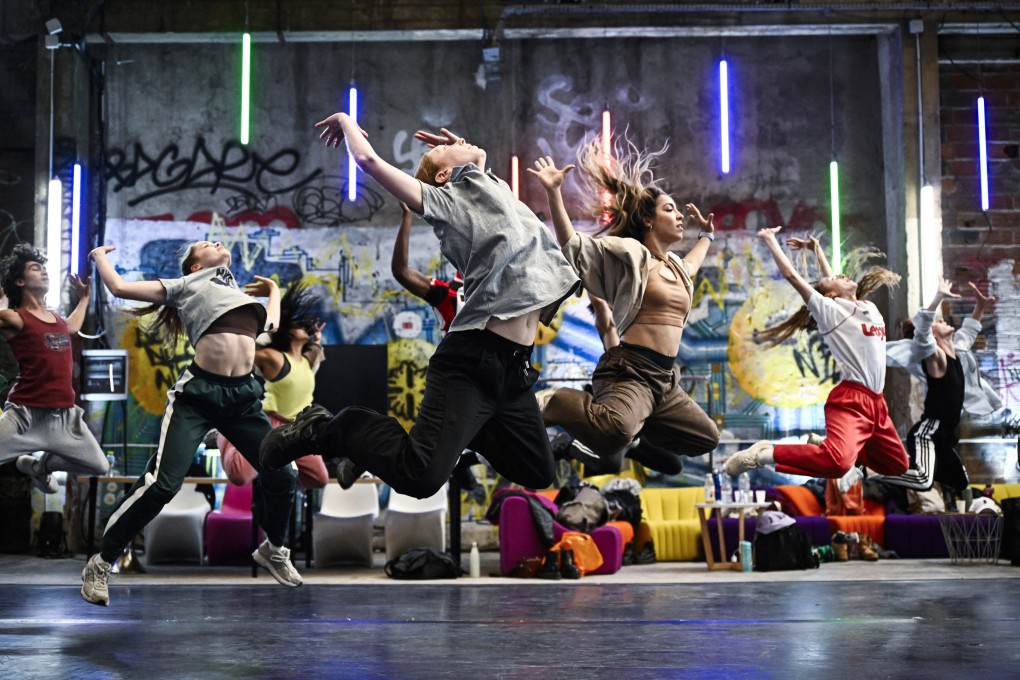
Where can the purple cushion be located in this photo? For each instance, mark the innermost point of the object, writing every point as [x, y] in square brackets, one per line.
[518, 538]
[915, 536]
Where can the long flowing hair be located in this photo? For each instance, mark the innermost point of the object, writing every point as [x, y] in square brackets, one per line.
[167, 317]
[874, 278]
[622, 187]
[299, 308]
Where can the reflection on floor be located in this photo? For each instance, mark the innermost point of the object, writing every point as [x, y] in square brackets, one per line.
[910, 618]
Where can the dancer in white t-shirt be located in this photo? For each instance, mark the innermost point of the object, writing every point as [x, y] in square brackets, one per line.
[857, 423]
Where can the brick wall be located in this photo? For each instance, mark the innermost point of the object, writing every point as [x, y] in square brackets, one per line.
[974, 241]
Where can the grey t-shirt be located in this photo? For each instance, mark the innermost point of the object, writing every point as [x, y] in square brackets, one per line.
[510, 262]
[205, 296]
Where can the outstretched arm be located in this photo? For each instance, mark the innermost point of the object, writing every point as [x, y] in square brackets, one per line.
[402, 186]
[936, 361]
[552, 180]
[77, 317]
[786, 268]
[143, 291]
[707, 234]
[413, 280]
[267, 288]
[982, 302]
[812, 243]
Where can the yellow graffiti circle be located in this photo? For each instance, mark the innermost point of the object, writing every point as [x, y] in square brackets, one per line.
[153, 368]
[408, 359]
[546, 334]
[772, 374]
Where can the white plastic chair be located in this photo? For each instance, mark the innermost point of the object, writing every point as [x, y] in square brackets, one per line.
[342, 529]
[415, 523]
[176, 533]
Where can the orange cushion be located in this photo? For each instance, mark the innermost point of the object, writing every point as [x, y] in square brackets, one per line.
[626, 530]
[800, 502]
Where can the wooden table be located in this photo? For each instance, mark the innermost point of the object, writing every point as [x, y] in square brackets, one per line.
[741, 508]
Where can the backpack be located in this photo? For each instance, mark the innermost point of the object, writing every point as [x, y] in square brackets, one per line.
[1011, 530]
[783, 549]
[422, 563]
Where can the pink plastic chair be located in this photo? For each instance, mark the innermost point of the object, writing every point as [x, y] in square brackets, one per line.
[228, 530]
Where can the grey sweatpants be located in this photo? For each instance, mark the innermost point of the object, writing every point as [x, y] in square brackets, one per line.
[60, 433]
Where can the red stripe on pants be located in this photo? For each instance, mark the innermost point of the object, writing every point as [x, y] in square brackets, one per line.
[858, 430]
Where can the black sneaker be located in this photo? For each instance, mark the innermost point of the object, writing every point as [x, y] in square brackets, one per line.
[646, 555]
[568, 569]
[550, 568]
[347, 472]
[295, 439]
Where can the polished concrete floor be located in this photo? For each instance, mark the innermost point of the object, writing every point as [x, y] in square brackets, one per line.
[910, 619]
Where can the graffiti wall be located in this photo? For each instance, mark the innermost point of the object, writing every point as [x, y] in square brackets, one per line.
[176, 172]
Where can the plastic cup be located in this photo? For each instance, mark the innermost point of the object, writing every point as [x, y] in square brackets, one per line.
[759, 496]
[961, 506]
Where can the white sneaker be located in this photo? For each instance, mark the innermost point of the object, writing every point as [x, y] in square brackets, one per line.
[277, 562]
[543, 396]
[815, 439]
[95, 579]
[43, 481]
[746, 460]
[853, 475]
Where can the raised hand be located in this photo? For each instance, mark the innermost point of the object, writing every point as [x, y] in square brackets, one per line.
[332, 129]
[809, 243]
[101, 250]
[982, 299]
[549, 175]
[946, 289]
[260, 287]
[434, 140]
[768, 232]
[79, 285]
[693, 215]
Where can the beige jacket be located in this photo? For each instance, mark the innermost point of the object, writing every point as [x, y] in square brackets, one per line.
[616, 269]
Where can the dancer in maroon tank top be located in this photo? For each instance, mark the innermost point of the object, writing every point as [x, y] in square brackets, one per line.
[40, 414]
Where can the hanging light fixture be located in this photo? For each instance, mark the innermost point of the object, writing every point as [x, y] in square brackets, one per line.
[352, 167]
[836, 233]
[983, 152]
[245, 85]
[54, 224]
[724, 115]
[76, 208]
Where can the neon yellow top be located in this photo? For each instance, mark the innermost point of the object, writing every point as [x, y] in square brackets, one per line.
[291, 393]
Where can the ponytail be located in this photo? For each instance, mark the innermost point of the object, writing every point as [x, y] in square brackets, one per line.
[167, 317]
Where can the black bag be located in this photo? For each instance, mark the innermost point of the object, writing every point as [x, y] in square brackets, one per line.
[50, 539]
[1011, 530]
[422, 563]
[786, 548]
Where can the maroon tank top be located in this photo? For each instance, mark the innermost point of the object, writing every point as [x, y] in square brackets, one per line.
[43, 352]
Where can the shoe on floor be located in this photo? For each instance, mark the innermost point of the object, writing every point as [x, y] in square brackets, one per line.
[815, 439]
[295, 439]
[568, 569]
[42, 481]
[277, 562]
[866, 549]
[747, 460]
[550, 568]
[95, 581]
[647, 554]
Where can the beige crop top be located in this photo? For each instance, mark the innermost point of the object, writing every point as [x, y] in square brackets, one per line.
[665, 302]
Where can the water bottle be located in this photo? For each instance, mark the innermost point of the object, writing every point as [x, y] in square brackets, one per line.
[726, 489]
[112, 460]
[474, 562]
[744, 484]
[717, 483]
[745, 556]
[709, 489]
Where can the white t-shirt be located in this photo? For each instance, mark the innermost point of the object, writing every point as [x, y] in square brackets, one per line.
[854, 331]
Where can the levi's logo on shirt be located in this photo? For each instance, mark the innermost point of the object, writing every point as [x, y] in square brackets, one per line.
[873, 331]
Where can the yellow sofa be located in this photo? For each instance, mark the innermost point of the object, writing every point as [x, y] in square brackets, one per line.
[1000, 491]
[673, 522]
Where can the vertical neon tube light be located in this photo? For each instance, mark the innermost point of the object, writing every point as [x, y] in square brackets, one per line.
[54, 223]
[983, 151]
[75, 218]
[837, 255]
[930, 260]
[352, 167]
[515, 176]
[724, 114]
[245, 85]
